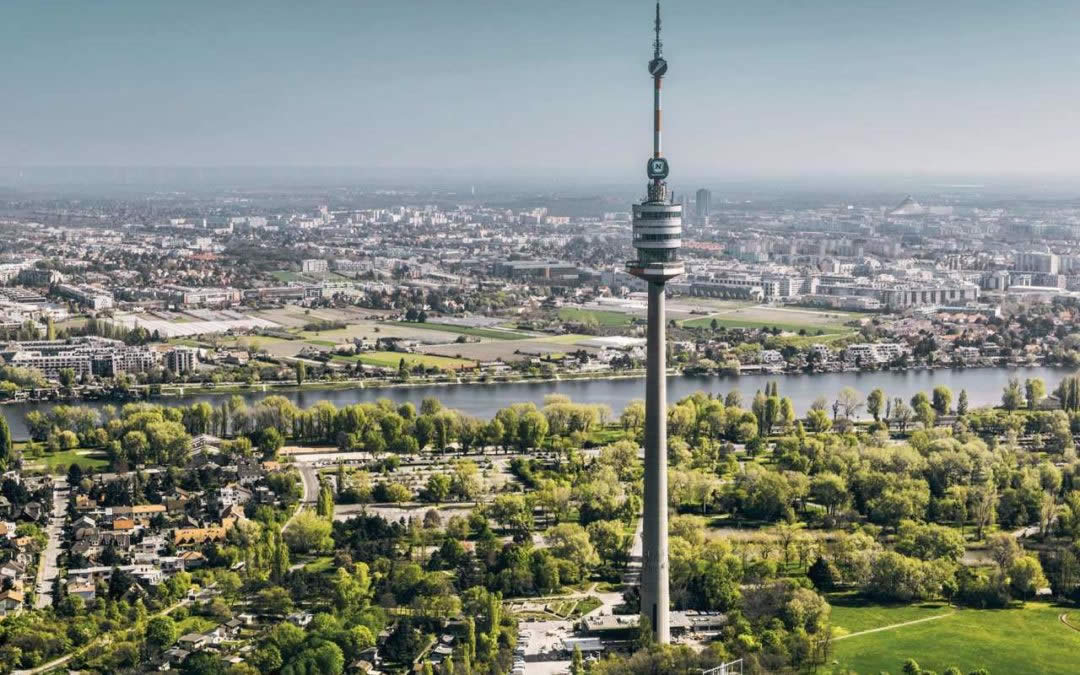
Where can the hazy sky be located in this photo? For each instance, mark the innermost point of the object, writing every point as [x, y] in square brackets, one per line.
[757, 87]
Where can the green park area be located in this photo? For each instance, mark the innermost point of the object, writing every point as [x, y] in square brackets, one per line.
[59, 461]
[1027, 639]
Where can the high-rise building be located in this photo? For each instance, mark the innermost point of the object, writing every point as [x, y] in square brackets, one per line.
[702, 203]
[1038, 261]
[657, 238]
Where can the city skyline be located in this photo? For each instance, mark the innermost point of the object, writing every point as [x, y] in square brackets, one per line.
[773, 90]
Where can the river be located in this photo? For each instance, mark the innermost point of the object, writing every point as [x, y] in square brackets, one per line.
[983, 386]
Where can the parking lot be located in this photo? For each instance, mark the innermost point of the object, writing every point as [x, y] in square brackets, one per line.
[542, 640]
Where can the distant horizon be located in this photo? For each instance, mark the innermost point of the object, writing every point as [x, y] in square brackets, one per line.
[135, 177]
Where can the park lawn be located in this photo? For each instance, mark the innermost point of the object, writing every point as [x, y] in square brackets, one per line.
[392, 359]
[474, 331]
[603, 317]
[95, 460]
[852, 614]
[320, 565]
[194, 624]
[1027, 639]
[286, 276]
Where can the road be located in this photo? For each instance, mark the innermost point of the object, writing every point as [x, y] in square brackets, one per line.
[309, 480]
[48, 568]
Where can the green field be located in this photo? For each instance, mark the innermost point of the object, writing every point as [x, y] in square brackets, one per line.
[850, 614]
[602, 317]
[94, 460]
[286, 276]
[489, 333]
[320, 565]
[392, 359]
[786, 319]
[1029, 639]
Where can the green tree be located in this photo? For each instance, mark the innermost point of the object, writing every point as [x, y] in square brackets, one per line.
[324, 506]
[924, 412]
[5, 442]
[270, 441]
[1012, 397]
[577, 662]
[1026, 577]
[160, 632]
[962, 403]
[279, 560]
[817, 420]
[1035, 391]
[203, 663]
[301, 373]
[942, 399]
[308, 533]
[875, 404]
[438, 488]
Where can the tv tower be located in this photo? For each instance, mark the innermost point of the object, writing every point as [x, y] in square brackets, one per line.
[657, 238]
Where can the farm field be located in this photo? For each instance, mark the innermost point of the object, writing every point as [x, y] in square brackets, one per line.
[786, 319]
[370, 330]
[1029, 639]
[508, 350]
[490, 333]
[392, 359]
[603, 317]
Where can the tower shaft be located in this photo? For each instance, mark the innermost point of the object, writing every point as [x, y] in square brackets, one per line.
[654, 577]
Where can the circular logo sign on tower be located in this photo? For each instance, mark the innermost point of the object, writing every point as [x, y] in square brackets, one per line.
[657, 168]
[657, 67]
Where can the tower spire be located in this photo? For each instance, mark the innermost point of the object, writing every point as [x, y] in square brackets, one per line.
[658, 46]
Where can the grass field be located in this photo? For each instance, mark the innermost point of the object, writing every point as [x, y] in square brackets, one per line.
[490, 333]
[94, 460]
[1029, 639]
[284, 276]
[790, 320]
[320, 565]
[851, 615]
[602, 317]
[392, 359]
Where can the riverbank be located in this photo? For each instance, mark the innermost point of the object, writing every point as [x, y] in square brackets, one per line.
[984, 386]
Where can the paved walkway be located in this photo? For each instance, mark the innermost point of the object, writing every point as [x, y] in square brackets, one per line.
[1064, 618]
[895, 625]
